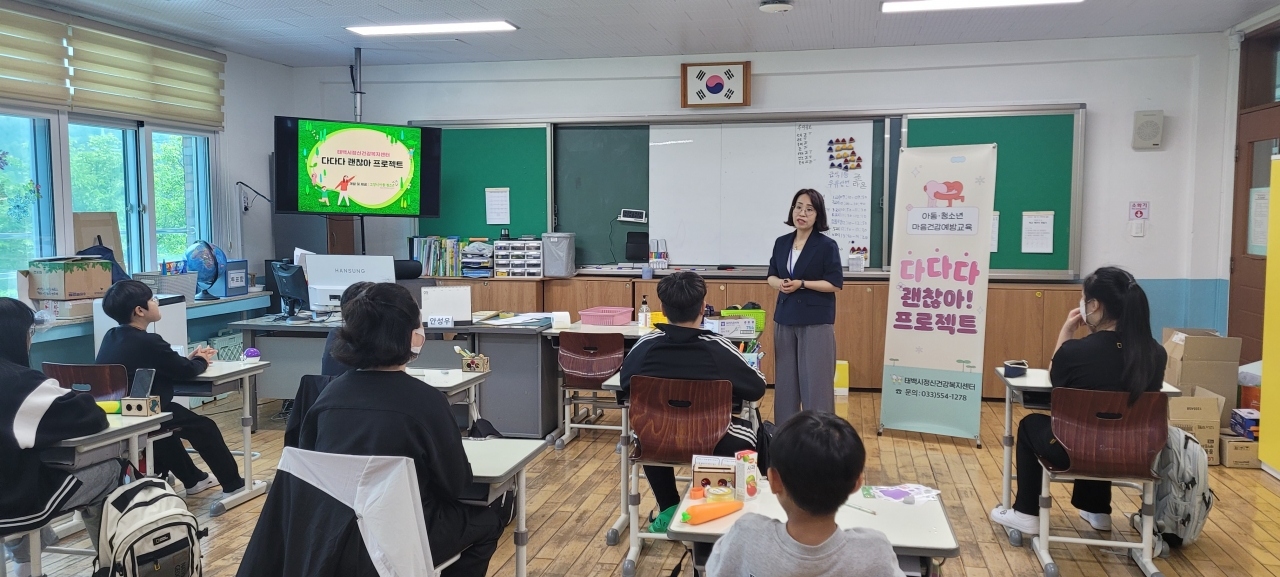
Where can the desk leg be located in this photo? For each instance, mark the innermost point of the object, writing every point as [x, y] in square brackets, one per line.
[624, 450]
[521, 535]
[252, 488]
[134, 452]
[1015, 536]
[473, 401]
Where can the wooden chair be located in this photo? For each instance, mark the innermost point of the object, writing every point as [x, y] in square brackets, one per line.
[1107, 439]
[106, 382]
[673, 420]
[587, 360]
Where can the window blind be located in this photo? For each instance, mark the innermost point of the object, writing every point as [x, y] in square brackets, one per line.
[33, 63]
[124, 76]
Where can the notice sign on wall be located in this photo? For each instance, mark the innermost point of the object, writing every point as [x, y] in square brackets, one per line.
[942, 240]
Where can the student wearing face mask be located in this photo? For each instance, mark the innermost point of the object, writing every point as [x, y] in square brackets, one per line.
[1119, 354]
[378, 409]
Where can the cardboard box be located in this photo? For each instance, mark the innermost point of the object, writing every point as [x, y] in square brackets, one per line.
[1201, 358]
[67, 278]
[713, 471]
[1244, 423]
[1239, 453]
[1198, 416]
[1250, 397]
[65, 309]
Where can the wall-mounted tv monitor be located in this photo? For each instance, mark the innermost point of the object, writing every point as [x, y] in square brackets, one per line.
[352, 168]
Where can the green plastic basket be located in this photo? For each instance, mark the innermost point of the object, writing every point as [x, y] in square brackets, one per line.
[759, 314]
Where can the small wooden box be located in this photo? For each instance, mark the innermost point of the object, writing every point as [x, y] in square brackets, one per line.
[140, 407]
[476, 364]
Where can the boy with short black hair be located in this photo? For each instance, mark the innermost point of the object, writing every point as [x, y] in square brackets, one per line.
[132, 304]
[817, 461]
[682, 349]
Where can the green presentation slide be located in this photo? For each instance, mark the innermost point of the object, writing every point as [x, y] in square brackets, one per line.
[350, 168]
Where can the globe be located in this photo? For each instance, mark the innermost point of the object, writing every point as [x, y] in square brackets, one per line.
[207, 261]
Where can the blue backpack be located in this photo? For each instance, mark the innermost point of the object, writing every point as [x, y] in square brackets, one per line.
[101, 251]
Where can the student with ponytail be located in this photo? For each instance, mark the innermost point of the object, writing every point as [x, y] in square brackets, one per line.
[1119, 354]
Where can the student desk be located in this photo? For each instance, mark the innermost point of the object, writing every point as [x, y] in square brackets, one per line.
[1035, 381]
[89, 449]
[630, 331]
[496, 463]
[458, 386]
[919, 530]
[224, 377]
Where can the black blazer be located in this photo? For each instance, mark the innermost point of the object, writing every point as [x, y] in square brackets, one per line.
[819, 260]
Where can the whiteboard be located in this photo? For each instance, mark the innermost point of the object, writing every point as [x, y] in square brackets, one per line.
[720, 193]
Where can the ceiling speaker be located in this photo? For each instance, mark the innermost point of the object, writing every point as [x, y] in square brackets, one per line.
[1148, 129]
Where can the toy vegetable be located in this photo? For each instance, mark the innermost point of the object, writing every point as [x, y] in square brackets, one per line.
[699, 514]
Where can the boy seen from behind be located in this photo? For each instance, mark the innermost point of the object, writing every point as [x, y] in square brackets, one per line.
[817, 461]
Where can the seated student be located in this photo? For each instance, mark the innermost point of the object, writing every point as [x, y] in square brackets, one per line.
[818, 461]
[378, 409]
[329, 366]
[35, 413]
[132, 304]
[681, 349]
[1119, 354]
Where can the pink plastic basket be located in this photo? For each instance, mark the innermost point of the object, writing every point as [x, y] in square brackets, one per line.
[608, 316]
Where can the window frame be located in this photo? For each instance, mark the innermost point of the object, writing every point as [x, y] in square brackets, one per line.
[204, 202]
[139, 176]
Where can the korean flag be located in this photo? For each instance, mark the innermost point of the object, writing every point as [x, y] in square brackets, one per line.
[723, 84]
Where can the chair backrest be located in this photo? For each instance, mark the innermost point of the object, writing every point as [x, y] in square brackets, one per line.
[106, 382]
[677, 419]
[589, 359]
[384, 493]
[1106, 437]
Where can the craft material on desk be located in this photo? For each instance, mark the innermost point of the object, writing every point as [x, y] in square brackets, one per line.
[863, 509]
[703, 512]
[902, 493]
[521, 319]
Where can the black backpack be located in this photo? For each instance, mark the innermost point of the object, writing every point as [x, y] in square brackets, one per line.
[103, 252]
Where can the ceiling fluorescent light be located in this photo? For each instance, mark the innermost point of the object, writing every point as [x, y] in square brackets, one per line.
[445, 28]
[930, 5]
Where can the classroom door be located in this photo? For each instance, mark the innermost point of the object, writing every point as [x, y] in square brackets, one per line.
[1258, 140]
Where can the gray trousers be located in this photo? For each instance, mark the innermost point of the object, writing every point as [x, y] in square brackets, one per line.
[806, 369]
[98, 480]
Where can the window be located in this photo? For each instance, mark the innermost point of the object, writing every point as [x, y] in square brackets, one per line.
[104, 178]
[180, 179]
[26, 205]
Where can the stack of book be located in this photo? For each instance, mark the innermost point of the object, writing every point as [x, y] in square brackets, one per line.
[443, 257]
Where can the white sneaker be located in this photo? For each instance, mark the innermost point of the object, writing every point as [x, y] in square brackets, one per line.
[1027, 524]
[22, 569]
[209, 482]
[1099, 521]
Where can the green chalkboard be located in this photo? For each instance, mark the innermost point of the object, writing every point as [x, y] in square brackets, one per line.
[473, 159]
[1034, 168]
[600, 170]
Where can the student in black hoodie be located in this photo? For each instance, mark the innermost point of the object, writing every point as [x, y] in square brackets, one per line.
[132, 304]
[378, 409]
[681, 349]
[35, 413]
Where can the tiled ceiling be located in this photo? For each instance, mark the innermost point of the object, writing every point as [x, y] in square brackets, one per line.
[312, 32]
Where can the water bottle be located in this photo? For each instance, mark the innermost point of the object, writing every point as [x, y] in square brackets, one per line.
[642, 317]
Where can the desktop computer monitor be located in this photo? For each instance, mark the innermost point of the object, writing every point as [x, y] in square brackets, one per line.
[330, 274]
[291, 282]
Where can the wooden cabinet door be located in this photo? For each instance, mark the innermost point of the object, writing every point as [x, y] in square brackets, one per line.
[718, 293]
[640, 288]
[741, 292]
[575, 294]
[1057, 303]
[861, 310]
[517, 296]
[1015, 319]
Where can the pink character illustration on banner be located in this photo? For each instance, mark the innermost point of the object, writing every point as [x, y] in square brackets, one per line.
[949, 191]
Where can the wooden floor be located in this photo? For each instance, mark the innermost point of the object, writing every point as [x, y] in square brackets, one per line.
[573, 500]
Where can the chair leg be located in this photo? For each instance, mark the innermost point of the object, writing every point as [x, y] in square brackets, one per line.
[1040, 543]
[34, 542]
[569, 431]
[633, 507]
[1144, 556]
